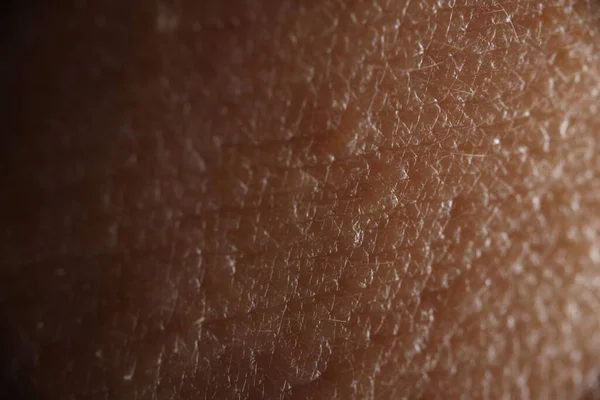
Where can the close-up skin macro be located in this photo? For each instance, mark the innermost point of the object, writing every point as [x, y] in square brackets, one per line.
[300, 199]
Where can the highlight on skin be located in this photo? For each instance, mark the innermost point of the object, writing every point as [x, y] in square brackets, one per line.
[301, 199]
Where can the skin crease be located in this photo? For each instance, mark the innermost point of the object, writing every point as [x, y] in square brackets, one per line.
[291, 200]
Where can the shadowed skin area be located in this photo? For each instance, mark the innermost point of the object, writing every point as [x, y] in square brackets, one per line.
[301, 199]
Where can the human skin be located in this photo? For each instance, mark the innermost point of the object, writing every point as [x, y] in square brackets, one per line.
[301, 199]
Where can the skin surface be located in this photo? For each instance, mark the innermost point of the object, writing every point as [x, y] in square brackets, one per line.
[301, 199]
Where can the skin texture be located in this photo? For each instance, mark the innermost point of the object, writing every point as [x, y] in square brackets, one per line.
[301, 199]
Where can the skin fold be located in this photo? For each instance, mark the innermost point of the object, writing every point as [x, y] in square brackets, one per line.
[300, 199]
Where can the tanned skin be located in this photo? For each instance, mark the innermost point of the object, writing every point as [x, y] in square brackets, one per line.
[300, 199]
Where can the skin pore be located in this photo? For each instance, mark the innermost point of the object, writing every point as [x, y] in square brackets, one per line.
[301, 199]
